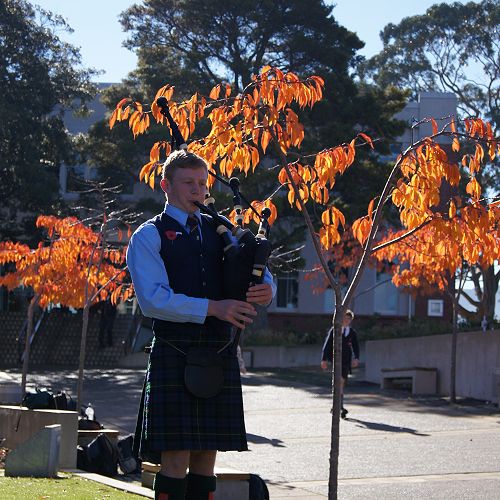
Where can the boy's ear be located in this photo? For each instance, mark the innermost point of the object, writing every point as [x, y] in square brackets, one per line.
[164, 184]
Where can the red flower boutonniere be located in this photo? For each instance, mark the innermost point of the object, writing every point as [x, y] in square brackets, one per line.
[172, 235]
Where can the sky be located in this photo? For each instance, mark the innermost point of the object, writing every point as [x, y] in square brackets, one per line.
[98, 33]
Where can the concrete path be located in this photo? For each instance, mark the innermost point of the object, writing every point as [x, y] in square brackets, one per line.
[392, 446]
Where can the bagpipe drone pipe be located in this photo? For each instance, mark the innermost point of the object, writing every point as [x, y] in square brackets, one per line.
[245, 253]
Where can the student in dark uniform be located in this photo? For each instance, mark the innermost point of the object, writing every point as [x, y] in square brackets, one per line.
[175, 260]
[106, 322]
[350, 352]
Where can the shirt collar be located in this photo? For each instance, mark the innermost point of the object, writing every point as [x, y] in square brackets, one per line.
[179, 215]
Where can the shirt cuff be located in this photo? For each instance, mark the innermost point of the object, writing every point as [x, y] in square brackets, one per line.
[202, 307]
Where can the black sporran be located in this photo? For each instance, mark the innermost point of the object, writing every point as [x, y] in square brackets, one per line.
[203, 374]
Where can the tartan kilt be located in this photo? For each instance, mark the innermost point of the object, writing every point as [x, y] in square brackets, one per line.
[173, 419]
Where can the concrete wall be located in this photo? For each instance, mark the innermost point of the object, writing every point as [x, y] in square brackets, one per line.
[281, 357]
[478, 359]
[18, 424]
[254, 356]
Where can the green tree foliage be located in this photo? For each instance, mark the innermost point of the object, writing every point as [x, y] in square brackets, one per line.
[230, 40]
[40, 78]
[452, 47]
[194, 44]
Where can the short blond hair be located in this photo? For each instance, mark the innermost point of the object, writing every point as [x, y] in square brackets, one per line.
[182, 158]
[349, 313]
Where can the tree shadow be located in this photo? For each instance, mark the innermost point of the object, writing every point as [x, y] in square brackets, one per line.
[256, 439]
[365, 424]
[367, 394]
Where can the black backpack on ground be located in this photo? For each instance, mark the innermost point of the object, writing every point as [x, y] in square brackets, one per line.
[128, 464]
[41, 399]
[257, 489]
[99, 456]
[63, 401]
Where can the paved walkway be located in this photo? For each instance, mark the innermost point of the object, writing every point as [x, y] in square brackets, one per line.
[392, 446]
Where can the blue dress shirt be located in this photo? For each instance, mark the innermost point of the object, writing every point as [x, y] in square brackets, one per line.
[156, 298]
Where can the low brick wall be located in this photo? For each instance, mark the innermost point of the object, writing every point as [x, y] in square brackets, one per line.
[57, 342]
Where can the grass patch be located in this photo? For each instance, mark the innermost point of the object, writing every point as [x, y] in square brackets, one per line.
[64, 486]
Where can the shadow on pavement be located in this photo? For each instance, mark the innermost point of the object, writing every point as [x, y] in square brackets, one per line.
[384, 427]
[359, 392]
[256, 439]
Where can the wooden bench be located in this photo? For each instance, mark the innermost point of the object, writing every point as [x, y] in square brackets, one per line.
[423, 380]
[231, 484]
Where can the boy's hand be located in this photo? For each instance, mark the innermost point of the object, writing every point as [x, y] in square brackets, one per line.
[324, 365]
[260, 294]
[235, 312]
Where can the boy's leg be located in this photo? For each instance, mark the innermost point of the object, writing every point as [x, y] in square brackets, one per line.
[201, 482]
[343, 411]
[170, 482]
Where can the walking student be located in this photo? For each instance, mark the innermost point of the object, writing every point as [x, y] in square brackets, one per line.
[350, 353]
[175, 260]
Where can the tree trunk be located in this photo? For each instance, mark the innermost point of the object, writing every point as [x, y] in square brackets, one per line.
[490, 288]
[453, 364]
[27, 345]
[83, 346]
[336, 405]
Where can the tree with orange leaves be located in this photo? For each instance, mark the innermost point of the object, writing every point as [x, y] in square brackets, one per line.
[263, 119]
[64, 270]
[101, 256]
[443, 252]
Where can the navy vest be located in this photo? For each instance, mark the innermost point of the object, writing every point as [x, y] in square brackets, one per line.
[194, 270]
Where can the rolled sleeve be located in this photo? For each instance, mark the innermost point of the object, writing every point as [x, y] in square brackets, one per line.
[268, 279]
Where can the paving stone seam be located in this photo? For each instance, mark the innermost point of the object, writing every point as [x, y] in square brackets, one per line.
[452, 476]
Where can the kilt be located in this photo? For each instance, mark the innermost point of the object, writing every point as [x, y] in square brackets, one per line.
[173, 419]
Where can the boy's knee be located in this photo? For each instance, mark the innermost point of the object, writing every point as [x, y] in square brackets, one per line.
[175, 463]
[202, 462]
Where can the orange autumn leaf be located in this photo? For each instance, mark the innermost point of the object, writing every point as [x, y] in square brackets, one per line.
[452, 212]
[265, 139]
[473, 188]
[214, 93]
[361, 229]
[434, 126]
[366, 138]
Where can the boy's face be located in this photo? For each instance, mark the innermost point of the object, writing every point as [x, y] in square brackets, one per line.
[187, 185]
[347, 320]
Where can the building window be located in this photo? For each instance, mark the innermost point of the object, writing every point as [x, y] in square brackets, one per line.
[435, 307]
[287, 294]
[385, 295]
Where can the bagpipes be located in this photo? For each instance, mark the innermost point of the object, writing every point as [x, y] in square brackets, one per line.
[245, 253]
